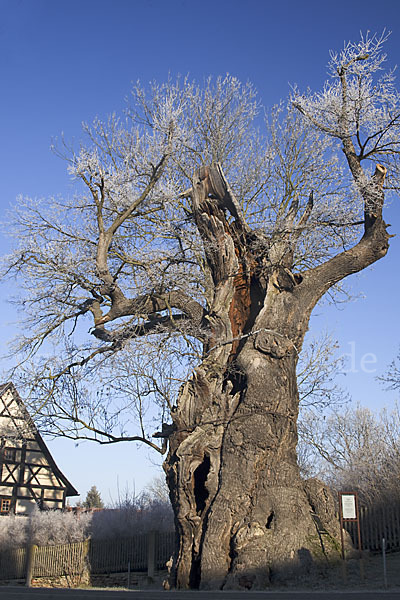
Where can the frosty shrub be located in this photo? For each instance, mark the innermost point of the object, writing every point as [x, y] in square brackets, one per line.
[130, 516]
[47, 528]
[44, 528]
[13, 532]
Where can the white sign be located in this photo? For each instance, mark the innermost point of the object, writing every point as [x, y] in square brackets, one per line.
[349, 506]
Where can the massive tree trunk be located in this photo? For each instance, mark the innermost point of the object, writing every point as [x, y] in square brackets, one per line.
[244, 516]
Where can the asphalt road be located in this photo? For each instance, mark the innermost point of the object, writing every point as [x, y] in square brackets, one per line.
[20, 593]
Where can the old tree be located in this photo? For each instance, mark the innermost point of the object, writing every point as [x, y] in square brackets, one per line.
[177, 283]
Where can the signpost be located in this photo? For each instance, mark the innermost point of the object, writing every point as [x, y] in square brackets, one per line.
[348, 511]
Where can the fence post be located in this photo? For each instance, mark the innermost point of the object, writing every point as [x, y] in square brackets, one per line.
[384, 562]
[30, 563]
[151, 554]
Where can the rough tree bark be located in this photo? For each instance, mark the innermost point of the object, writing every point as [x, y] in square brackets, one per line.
[244, 516]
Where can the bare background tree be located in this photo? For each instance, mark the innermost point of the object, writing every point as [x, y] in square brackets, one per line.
[318, 372]
[355, 449]
[177, 284]
[391, 379]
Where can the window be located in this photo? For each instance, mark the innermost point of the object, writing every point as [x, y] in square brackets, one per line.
[9, 453]
[5, 505]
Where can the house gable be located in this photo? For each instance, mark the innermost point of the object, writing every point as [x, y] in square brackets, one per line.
[29, 476]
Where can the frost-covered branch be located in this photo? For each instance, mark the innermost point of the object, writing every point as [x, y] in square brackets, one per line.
[178, 205]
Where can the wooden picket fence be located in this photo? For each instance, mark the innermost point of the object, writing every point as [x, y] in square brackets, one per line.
[140, 553]
[114, 556]
[65, 559]
[376, 523]
[149, 552]
[137, 552]
[13, 564]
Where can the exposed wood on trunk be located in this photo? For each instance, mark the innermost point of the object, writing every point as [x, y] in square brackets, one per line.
[239, 311]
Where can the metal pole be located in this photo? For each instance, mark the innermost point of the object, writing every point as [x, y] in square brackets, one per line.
[384, 562]
[129, 575]
[359, 538]
[344, 566]
[358, 526]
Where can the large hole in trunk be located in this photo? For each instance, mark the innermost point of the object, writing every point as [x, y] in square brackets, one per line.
[200, 477]
[268, 524]
[200, 495]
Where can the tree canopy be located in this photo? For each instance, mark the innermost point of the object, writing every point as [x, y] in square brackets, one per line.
[116, 286]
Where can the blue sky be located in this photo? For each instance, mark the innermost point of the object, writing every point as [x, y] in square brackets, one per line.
[65, 62]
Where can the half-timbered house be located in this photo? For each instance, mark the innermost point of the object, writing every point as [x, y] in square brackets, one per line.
[29, 476]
